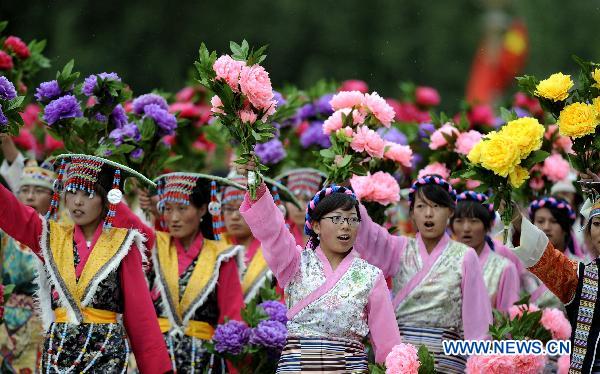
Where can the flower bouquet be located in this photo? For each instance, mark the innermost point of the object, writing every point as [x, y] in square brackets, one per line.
[576, 109]
[243, 101]
[359, 154]
[103, 128]
[254, 346]
[405, 359]
[502, 159]
[20, 61]
[10, 107]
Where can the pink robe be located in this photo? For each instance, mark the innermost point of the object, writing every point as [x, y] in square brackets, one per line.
[25, 225]
[507, 289]
[384, 250]
[283, 257]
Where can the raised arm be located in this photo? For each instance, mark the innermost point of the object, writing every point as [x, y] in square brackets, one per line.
[13, 163]
[382, 321]
[20, 221]
[376, 245]
[551, 266]
[268, 226]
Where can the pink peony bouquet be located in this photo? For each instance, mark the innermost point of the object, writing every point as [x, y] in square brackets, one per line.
[380, 188]
[356, 145]
[244, 99]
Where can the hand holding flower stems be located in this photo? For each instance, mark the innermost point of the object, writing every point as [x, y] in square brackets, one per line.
[243, 101]
[148, 203]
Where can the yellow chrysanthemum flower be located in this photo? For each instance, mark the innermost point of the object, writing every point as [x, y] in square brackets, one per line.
[475, 154]
[499, 154]
[577, 120]
[555, 88]
[527, 133]
[596, 77]
[518, 176]
[596, 105]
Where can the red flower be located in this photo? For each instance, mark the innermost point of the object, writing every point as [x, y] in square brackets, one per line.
[15, 44]
[25, 140]
[6, 62]
[481, 115]
[185, 94]
[51, 144]
[427, 96]
[30, 115]
[186, 110]
[354, 85]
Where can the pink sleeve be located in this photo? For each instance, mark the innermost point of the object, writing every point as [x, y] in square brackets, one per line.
[382, 321]
[229, 292]
[377, 246]
[476, 306]
[268, 226]
[140, 318]
[125, 218]
[508, 288]
[20, 221]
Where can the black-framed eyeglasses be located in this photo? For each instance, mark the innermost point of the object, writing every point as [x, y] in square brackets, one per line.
[338, 220]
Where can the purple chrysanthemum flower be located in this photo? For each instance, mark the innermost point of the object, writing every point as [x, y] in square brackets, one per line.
[7, 89]
[136, 154]
[130, 130]
[47, 91]
[167, 123]
[61, 108]
[313, 135]
[270, 334]
[278, 97]
[305, 111]
[520, 112]
[275, 310]
[393, 135]
[3, 119]
[100, 117]
[270, 152]
[426, 129]
[322, 105]
[140, 103]
[118, 116]
[91, 82]
[231, 337]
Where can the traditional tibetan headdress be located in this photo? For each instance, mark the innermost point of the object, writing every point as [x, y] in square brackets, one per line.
[304, 182]
[595, 210]
[430, 179]
[555, 203]
[179, 187]
[279, 191]
[34, 175]
[320, 195]
[477, 197]
[81, 172]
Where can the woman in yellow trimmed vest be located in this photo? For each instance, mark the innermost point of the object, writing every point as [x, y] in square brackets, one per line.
[90, 273]
[195, 282]
[20, 338]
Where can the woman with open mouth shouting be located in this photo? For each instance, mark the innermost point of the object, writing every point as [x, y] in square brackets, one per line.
[334, 298]
[471, 225]
[438, 290]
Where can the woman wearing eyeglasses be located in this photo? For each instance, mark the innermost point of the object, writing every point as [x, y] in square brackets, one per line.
[334, 298]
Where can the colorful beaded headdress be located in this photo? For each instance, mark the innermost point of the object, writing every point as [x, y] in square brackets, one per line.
[178, 187]
[431, 179]
[552, 202]
[595, 210]
[320, 195]
[304, 182]
[80, 172]
[477, 197]
[34, 175]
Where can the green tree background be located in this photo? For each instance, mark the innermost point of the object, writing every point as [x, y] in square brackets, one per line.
[153, 43]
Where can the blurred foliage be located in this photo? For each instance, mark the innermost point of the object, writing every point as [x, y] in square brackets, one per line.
[153, 43]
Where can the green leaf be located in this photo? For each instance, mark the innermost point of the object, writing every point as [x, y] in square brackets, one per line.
[507, 115]
[68, 68]
[345, 161]
[534, 158]
[147, 129]
[327, 153]
[3, 25]
[426, 360]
